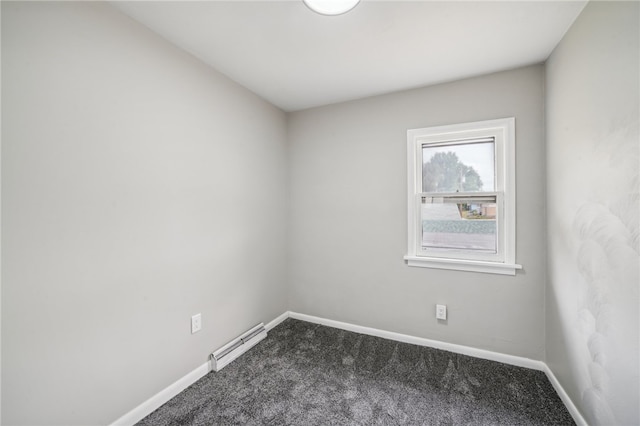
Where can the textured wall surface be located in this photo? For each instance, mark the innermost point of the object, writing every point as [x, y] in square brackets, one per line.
[593, 204]
[348, 229]
[136, 183]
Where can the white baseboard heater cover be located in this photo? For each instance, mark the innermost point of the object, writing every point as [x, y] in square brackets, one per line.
[235, 348]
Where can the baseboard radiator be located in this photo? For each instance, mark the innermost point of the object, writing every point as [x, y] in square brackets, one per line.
[238, 346]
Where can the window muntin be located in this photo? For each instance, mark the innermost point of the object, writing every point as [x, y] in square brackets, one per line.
[462, 196]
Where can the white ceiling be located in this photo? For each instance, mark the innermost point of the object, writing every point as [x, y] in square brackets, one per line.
[297, 59]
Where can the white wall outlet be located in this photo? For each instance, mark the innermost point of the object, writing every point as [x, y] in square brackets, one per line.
[196, 323]
[441, 312]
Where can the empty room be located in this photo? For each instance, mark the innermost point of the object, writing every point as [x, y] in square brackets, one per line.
[311, 212]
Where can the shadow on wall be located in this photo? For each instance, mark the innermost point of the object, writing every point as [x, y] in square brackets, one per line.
[608, 260]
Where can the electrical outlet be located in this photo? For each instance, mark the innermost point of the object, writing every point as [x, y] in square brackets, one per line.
[196, 323]
[441, 312]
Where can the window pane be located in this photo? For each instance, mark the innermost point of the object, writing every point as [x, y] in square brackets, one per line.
[458, 168]
[457, 226]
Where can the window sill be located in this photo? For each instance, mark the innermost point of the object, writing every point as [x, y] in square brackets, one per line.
[463, 265]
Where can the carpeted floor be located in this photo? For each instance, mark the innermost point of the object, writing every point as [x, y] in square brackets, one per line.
[308, 374]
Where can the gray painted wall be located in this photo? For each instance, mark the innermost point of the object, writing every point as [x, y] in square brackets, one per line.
[348, 226]
[593, 148]
[139, 187]
[125, 211]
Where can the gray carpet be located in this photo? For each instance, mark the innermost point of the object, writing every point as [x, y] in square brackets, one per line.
[308, 374]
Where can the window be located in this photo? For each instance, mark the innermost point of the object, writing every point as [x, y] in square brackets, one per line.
[461, 197]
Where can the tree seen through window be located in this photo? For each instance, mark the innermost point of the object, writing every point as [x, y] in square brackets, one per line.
[444, 172]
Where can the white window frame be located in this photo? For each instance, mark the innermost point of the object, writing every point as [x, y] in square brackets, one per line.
[503, 133]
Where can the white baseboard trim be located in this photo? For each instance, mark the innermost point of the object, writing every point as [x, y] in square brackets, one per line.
[460, 349]
[277, 321]
[451, 347]
[573, 410]
[153, 403]
[162, 397]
